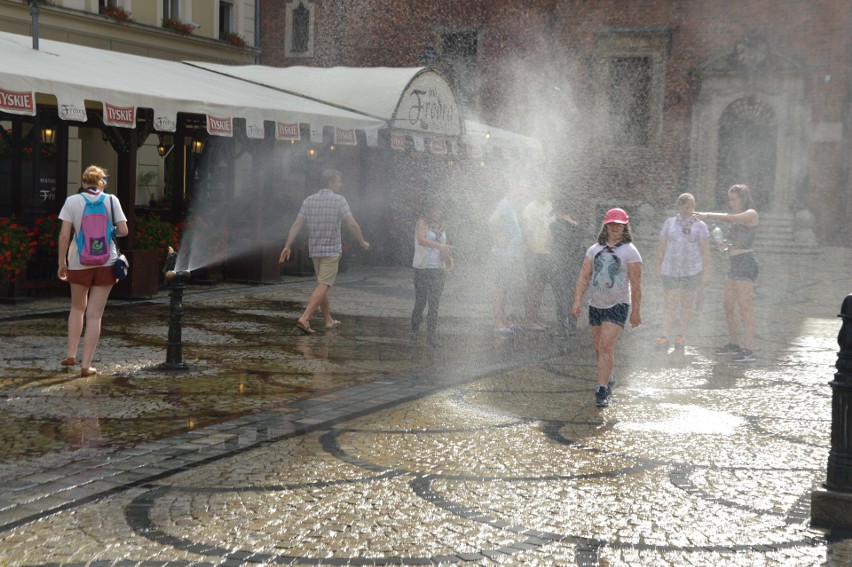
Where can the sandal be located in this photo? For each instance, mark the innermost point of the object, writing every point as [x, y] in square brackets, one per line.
[86, 372]
[70, 361]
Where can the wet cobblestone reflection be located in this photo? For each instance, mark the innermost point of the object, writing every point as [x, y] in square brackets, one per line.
[358, 447]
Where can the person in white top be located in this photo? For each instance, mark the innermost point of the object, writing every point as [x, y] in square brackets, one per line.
[613, 267]
[90, 285]
[430, 252]
[683, 267]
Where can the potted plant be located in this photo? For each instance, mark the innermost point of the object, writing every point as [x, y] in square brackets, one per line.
[233, 39]
[151, 242]
[16, 248]
[116, 13]
[178, 26]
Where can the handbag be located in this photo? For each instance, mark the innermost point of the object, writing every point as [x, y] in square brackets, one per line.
[121, 266]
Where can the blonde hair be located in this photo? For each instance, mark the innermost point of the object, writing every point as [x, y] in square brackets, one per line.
[685, 198]
[93, 175]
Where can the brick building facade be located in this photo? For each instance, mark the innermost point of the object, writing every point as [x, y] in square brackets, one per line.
[636, 101]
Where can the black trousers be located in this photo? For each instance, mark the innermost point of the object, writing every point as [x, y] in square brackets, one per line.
[428, 287]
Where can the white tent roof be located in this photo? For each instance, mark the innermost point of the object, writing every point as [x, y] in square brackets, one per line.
[379, 92]
[374, 91]
[75, 74]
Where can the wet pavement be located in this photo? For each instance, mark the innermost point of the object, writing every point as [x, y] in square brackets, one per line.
[358, 446]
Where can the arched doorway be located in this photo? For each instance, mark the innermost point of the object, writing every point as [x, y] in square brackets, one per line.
[747, 151]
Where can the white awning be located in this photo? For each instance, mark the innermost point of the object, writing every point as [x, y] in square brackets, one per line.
[485, 137]
[123, 83]
[414, 99]
[417, 99]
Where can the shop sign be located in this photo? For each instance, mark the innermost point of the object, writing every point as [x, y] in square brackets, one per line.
[474, 151]
[73, 112]
[398, 142]
[345, 137]
[287, 131]
[121, 116]
[429, 105]
[17, 102]
[165, 123]
[255, 131]
[438, 146]
[220, 126]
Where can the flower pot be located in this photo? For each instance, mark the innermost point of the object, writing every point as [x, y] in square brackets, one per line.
[143, 280]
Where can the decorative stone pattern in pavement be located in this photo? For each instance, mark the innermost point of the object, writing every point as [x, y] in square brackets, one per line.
[360, 448]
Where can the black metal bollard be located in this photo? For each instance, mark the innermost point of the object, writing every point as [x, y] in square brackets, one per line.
[176, 282]
[839, 473]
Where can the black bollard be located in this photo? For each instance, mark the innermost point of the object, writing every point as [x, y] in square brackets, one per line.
[839, 475]
[176, 282]
[831, 505]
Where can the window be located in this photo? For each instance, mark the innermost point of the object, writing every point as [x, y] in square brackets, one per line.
[459, 62]
[299, 36]
[226, 18]
[630, 100]
[629, 69]
[171, 9]
[106, 4]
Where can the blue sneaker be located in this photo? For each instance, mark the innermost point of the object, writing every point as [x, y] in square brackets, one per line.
[602, 396]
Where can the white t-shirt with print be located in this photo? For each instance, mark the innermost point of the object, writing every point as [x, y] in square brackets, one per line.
[610, 285]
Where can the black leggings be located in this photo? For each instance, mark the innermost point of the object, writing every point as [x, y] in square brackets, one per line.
[428, 287]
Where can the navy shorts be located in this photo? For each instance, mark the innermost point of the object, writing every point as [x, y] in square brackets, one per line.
[744, 267]
[616, 314]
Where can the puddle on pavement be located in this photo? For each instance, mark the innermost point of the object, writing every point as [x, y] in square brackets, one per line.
[244, 358]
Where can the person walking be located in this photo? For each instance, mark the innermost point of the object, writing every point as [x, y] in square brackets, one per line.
[683, 267]
[613, 269]
[535, 223]
[568, 249]
[506, 252]
[430, 251]
[324, 211]
[739, 286]
[90, 284]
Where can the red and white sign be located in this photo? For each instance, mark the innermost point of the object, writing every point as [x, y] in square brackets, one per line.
[287, 131]
[438, 146]
[474, 151]
[398, 142]
[17, 102]
[220, 126]
[345, 137]
[121, 116]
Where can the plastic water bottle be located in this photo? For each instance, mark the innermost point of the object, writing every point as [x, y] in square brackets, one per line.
[719, 238]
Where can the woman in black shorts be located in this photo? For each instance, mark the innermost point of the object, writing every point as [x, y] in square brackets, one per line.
[739, 287]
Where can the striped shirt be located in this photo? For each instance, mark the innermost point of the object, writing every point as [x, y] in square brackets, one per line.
[324, 211]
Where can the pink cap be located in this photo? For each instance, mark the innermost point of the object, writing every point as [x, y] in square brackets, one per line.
[616, 215]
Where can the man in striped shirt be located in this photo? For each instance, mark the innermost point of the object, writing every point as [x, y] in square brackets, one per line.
[323, 211]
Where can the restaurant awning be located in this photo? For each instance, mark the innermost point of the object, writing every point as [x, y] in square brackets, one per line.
[416, 100]
[123, 83]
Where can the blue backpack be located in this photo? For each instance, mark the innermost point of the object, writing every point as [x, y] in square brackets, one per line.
[95, 233]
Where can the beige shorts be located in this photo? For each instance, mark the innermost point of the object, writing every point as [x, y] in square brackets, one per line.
[325, 268]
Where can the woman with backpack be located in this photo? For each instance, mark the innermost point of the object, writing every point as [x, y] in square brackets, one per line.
[86, 260]
[612, 269]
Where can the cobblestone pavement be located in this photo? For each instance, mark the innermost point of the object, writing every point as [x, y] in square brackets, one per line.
[358, 446]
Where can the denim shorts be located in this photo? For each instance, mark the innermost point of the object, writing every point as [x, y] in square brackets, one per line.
[616, 314]
[744, 267]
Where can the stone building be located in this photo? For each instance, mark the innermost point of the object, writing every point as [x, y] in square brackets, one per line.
[635, 101]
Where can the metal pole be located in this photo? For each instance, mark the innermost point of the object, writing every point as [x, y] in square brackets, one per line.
[839, 473]
[34, 13]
